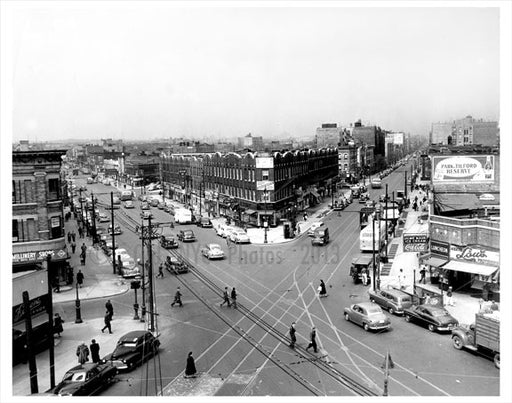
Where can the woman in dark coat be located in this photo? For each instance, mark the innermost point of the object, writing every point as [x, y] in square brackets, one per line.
[190, 371]
[57, 325]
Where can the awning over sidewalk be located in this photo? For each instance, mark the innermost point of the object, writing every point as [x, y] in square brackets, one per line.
[250, 211]
[435, 261]
[470, 267]
[457, 201]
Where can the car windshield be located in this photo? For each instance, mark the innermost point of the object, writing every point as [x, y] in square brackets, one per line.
[74, 376]
[374, 310]
[214, 246]
[438, 313]
[188, 232]
[130, 344]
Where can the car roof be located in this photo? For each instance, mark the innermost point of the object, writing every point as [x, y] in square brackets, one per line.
[134, 334]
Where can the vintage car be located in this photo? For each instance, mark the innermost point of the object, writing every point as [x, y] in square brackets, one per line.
[239, 236]
[321, 236]
[212, 251]
[86, 380]
[128, 204]
[168, 242]
[368, 315]
[314, 226]
[394, 301]
[186, 235]
[145, 215]
[434, 317]
[117, 229]
[144, 206]
[133, 349]
[204, 222]
[361, 264]
[175, 266]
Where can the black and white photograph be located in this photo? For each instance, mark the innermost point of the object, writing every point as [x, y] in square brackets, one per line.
[256, 199]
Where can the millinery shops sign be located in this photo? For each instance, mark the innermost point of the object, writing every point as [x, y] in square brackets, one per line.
[415, 242]
[466, 169]
[474, 254]
[38, 256]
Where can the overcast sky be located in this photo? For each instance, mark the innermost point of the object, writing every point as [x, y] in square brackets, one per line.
[141, 71]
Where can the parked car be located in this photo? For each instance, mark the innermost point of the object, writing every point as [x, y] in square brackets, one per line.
[133, 349]
[117, 229]
[221, 230]
[128, 204]
[168, 242]
[86, 379]
[239, 236]
[434, 317]
[204, 222]
[130, 270]
[364, 197]
[212, 251]
[103, 217]
[186, 235]
[146, 214]
[154, 202]
[368, 315]
[394, 301]
[314, 226]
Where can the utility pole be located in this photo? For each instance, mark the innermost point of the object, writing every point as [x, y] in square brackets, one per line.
[93, 213]
[387, 220]
[405, 185]
[113, 235]
[49, 309]
[82, 209]
[373, 251]
[143, 285]
[150, 276]
[31, 357]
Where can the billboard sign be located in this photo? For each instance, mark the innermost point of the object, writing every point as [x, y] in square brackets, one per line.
[463, 169]
[474, 254]
[264, 162]
[415, 242]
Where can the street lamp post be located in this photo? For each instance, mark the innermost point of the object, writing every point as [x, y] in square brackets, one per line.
[265, 223]
[77, 306]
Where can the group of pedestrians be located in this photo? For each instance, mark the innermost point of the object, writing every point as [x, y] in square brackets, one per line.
[312, 338]
[226, 300]
[83, 352]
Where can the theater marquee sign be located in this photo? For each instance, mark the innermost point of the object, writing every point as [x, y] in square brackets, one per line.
[475, 254]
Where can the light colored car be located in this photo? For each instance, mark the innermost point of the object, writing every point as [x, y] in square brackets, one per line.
[213, 251]
[239, 236]
[128, 204]
[368, 315]
[144, 206]
[103, 217]
[314, 226]
[221, 230]
[146, 214]
[117, 229]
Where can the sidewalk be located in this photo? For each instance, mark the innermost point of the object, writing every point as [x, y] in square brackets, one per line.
[465, 305]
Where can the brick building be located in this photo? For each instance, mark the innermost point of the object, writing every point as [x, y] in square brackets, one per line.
[464, 132]
[37, 211]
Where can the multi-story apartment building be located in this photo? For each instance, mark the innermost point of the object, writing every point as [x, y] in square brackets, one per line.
[251, 187]
[466, 131]
[370, 136]
[329, 135]
[250, 142]
[348, 166]
[37, 212]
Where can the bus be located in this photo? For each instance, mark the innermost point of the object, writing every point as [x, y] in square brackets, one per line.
[366, 236]
[183, 216]
[126, 195]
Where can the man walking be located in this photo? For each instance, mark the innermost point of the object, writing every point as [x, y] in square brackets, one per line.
[226, 297]
[73, 236]
[160, 271]
[110, 308]
[177, 298]
[69, 237]
[107, 319]
[293, 338]
[95, 351]
[73, 247]
[422, 272]
[312, 338]
[233, 297]
[82, 352]
[449, 297]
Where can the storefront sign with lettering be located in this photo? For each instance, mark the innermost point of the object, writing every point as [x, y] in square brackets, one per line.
[440, 248]
[415, 242]
[475, 254]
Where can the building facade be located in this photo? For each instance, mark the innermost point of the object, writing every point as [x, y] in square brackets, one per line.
[328, 135]
[464, 132]
[37, 212]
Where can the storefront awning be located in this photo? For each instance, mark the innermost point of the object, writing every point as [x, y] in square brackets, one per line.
[473, 268]
[315, 193]
[435, 261]
[457, 201]
[250, 211]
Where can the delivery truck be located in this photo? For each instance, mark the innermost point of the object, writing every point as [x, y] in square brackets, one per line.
[483, 336]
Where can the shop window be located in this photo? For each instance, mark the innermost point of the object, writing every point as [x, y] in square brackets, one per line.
[264, 175]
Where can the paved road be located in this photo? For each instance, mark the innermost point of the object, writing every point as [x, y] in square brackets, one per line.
[277, 285]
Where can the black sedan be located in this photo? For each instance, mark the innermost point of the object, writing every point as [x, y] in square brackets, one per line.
[133, 349]
[434, 317]
[86, 379]
[168, 242]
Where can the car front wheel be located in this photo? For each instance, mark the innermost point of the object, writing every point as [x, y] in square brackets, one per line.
[457, 342]
[391, 311]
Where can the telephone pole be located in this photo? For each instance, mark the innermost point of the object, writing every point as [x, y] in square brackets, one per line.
[113, 235]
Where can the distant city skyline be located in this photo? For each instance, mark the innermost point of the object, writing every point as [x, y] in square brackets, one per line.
[160, 71]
